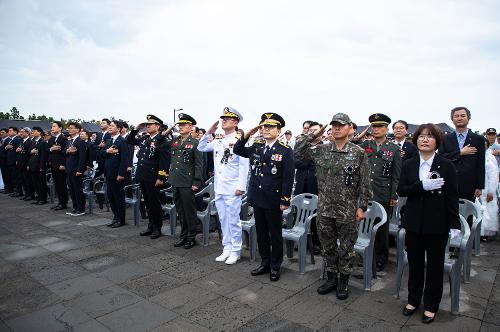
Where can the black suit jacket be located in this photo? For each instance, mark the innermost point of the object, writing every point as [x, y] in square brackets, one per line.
[38, 161]
[76, 162]
[115, 164]
[10, 154]
[426, 212]
[409, 149]
[23, 156]
[471, 168]
[57, 158]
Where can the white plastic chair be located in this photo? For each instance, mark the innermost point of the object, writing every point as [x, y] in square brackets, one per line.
[134, 200]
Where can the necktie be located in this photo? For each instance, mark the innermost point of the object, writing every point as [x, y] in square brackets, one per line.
[461, 140]
[266, 149]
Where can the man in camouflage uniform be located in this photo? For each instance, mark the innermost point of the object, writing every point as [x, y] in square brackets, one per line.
[385, 162]
[344, 189]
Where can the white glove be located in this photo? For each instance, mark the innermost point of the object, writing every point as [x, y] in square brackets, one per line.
[454, 233]
[432, 184]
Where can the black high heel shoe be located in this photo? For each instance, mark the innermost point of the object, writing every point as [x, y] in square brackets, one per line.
[427, 319]
[408, 312]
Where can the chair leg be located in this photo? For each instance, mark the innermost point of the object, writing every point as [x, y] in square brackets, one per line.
[206, 229]
[302, 255]
[454, 279]
[253, 243]
[136, 214]
[477, 241]
[467, 267]
[399, 275]
[310, 248]
[90, 198]
[173, 221]
[367, 270]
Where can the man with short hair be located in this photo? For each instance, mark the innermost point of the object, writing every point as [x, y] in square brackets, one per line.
[3, 136]
[115, 155]
[230, 182]
[22, 164]
[270, 189]
[288, 139]
[38, 165]
[491, 135]
[467, 151]
[385, 162]
[339, 214]
[12, 179]
[76, 165]
[57, 160]
[152, 167]
[185, 177]
[408, 149]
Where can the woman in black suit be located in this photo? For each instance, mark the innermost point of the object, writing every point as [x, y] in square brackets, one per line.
[430, 183]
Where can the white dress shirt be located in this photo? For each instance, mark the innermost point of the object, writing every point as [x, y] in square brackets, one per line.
[425, 167]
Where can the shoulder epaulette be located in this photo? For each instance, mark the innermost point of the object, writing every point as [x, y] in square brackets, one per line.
[219, 136]
[258, 141]
[283, 144]
[238, 136]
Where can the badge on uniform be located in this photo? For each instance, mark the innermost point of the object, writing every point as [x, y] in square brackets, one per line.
[274, 170]
[175, 145]
[189, 146]
[388, 153]
[276, 157]
[368, 150]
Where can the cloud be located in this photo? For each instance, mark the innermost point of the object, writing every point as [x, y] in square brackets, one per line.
[304, 60]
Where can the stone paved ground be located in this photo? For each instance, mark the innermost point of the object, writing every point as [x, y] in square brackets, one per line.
[74, 274]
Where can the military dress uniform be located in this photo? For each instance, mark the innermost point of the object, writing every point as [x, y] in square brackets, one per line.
[22, 164]
[385, 162]
[343, 187]
[185, 171]
[271, 181]
[152, 164]
[230, 174]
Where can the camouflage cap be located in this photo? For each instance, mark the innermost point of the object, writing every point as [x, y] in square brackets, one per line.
[341, 118]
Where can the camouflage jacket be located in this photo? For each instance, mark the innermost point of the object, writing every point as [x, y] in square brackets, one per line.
[385, 163]
[343, 177]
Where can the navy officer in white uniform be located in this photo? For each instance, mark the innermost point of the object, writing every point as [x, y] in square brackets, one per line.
[230, 181]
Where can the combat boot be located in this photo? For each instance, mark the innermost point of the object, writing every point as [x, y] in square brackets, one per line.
[343, 287]
[330, 284]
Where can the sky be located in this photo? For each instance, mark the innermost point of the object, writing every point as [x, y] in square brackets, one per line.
[305, 60]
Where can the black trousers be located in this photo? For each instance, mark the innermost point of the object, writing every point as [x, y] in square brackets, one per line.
[418, 247]
[39, 180]
[27, 182]
[185, 205]
[469, 196]
[7, 178]
[151, 196]
[59, 178]
[382, 238]
[76, 192]
[269, 237]
[17, 179]
[116, 197]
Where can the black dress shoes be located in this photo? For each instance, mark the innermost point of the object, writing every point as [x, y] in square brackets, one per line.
[427, 319]
[408, 312]
[35, 202]
[260, 270]
[146, 233]
[189, 244]
[155, 235]
[53, 207]
[180, 242]
[117, 224]
[275, 275]
[41, 202]
[60, 207]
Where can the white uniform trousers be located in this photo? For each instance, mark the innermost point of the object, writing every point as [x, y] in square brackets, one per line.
[228, 209]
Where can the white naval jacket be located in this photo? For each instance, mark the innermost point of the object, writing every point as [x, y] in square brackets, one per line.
[230, 176]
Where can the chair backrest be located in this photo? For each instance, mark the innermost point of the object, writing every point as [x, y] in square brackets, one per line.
[375, 213]
[49, 177]
[469, 211]
[303, 206]
[396, 212]
[464, 234]
[100, 186]
[207, 193]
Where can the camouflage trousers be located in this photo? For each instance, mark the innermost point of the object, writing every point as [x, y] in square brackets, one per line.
[338, 257]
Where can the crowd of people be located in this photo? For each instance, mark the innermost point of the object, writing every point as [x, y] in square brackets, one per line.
[345, 169]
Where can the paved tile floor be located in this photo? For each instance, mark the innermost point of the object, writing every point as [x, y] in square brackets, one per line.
[74, 274]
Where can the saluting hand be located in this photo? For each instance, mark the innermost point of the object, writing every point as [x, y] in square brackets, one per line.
[213, 129]
[158, 183]
[283, 207]
[166, 132]
[251, 132]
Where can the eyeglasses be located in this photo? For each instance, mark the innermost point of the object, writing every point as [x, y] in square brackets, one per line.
[423, 136]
